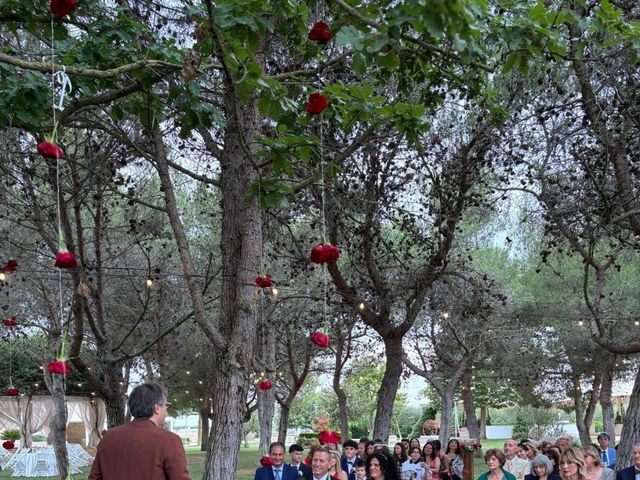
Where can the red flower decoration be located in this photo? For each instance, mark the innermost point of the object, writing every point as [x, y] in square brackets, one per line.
[307, 460]
[8, 445]
[13, 392]
[266, 461]
[316, 103]
[320, 339]
[264, 281]
[10, 266]
[59, 367]
[265, 384]
[63, 7]
[320, 32]
[10, 322]
[329, 437]
[50, 150]
[66, 259]
[324, 254]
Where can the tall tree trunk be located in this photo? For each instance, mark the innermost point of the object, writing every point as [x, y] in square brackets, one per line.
[584, 414]
[204, 428]
[59, 425]
[631, 429]
[337, 387]
[115, 402]
[241, 251]
[484, 417]
[266, 409]
[608, 415]
[283, 426]
[389, 387]
[229, 401]
[469, 407]
[447, 401]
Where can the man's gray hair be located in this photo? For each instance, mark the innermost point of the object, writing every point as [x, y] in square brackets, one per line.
[542, 461]
[144, 397]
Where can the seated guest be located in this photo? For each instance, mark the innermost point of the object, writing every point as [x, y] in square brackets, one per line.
[572, 465]
[335, 469]
[632, 472]
[414, 442]
[431, 459]
[295, 452]
[452, 464]
[399, 455]
[553, 454]
[381, 467]
[541, 469]
[362, 443]
[349, 458]
[495, 460]
[369, 448]
[279, 470]
[564, 442]
[514, 464]
[413, 464]
[608, 452]
[361, 470]
[544, 446]
[595, 469]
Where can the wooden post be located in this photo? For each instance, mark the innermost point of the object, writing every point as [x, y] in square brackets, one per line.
[468, 458]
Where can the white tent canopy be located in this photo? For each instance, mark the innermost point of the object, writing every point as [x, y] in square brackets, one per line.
[32, 414]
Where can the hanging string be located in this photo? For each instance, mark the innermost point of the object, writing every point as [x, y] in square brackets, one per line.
[324, 223]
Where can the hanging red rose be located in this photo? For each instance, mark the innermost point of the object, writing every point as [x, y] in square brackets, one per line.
[10, 266]
[329, 437]
[319, 32]
[266, 461]
[63, 7]
[10, 322]
[264, 281]
[59, 367]
[316, 103]
[320, 339]
[13, 392]
[8, 445]
[65, 259]
[265, 384]
[324, 254]
[50, 150]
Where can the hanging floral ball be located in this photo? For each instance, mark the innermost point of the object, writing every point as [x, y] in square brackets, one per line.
[59, 367]
[65, 259]
[329, 437]
[326, 253]
[10, 322]
[320, 32]
[266, 461]
[50, 150]
[316, 103]
[265, 384]
[13, 392]
[10, 266]
[264, 281]
[320, 339]
[63, 7]
[8, 445]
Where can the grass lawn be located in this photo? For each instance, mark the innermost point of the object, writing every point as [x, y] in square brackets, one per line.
[247, 463]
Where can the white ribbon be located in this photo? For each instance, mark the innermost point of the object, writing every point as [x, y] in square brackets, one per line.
[63, 79]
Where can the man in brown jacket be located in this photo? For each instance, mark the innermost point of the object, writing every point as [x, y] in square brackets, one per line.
[142, 449]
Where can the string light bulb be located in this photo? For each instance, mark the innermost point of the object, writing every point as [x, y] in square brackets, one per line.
[580, 323]
[361, 306]
[637, 323]
[3, 277]
[149, 282]
[274, 291]
[445, 315]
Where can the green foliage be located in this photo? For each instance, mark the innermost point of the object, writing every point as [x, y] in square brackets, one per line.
[307, 439]
[536, 423]
[10, 434]
[428, 413]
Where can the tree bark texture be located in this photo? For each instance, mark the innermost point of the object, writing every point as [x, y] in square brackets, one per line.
[484, 416]
[584, 413]
[469, 407]
[631, 429]
[608, 415]
[446, 416]
[266, 398]
[59, 425]
[241, 251]
[388, 388]
[285, 413]
[343, 414]
[204, 429]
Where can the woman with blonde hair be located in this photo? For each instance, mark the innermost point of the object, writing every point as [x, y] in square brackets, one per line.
[595, 469]
[335, 470]
[572, 465]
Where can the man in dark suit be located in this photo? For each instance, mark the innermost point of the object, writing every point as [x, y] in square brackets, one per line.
[632, 472]
[295, 452]
[141, 449]
[349, 458]
[279, 470]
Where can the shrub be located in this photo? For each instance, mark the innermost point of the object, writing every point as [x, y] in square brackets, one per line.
[11, 434]
[307, 439]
